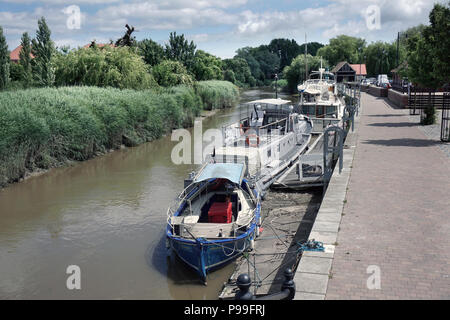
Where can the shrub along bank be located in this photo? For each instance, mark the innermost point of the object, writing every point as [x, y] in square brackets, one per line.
[47, 127]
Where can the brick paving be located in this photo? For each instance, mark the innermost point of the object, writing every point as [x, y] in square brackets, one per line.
[433, 131]
[397, 212]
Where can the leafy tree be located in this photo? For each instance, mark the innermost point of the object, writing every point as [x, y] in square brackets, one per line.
[410, 33]
[286, 49]
[269, 63]
[4, 61]
[313, 47]
[171, 73]
[381, 57]
[103, 67]
[151, 51]
[179, 49]
[207, 67]
[255, 68]
[428, 63]
[295, 73]
[241, 71]
[43, 50]
[15, 73]
[229, 75]
[438, 36]
[342, 48]
[25, 59]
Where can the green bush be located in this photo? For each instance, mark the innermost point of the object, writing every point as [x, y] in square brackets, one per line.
[430, 115]
[217, 94]
[171, 73]
[104, 67]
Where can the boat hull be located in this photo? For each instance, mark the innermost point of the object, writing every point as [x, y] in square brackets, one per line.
[205, 255]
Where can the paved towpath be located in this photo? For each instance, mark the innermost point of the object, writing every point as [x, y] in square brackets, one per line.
[396, 221]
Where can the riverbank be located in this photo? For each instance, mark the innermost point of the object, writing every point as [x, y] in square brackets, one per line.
[50, 127]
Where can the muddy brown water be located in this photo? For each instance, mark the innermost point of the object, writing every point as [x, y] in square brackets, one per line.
[107, 216]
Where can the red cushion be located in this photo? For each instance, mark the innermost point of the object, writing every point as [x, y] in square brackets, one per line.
[220, 212]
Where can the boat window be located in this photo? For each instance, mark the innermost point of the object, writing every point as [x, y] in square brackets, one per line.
[269, 152]
[309, 110]
[319, 111]
[331, 111]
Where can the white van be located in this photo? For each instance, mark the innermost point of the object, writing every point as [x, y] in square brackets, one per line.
[382, 78]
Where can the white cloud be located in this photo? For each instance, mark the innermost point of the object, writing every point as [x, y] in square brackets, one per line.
[155, 16]
[61, 2]
[217, 24]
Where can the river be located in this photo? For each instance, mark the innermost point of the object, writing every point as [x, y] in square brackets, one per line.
[107, 216]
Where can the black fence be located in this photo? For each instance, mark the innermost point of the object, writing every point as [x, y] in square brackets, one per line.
[445, 122]
[420, 99]
[423, 98]
[400, 87]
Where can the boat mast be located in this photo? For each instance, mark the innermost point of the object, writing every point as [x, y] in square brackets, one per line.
[306, 59]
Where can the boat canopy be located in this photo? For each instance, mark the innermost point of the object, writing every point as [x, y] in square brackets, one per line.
[233, 172]
[270, 101]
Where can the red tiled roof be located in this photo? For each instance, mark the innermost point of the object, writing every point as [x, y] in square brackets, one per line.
[360, 69]
[15, 54]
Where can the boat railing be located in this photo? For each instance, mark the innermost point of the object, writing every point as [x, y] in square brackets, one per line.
[174, 207]
[234, 131]
[236, 227]
[320, 124]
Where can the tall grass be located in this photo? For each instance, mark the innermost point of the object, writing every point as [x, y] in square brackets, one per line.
[217, 94]
[43, 128]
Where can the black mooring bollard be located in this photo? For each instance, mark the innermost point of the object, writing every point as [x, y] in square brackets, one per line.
[289, 284]
[244, 282]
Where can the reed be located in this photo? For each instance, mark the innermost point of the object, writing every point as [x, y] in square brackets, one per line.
[47, 127]
[217, 94]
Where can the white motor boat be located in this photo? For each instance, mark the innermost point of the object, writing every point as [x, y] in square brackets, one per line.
[267, 140]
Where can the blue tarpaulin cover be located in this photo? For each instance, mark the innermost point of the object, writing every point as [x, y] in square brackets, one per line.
[230, 171]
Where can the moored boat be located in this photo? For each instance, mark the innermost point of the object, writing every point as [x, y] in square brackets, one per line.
[319, 100]
[215, 218]
[268, 140]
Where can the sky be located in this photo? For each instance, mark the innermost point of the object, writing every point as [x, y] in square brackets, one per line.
[219, 27]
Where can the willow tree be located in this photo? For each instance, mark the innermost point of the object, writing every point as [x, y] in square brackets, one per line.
[43, 50]
[25, 59]
[179, 49]
[4, 61]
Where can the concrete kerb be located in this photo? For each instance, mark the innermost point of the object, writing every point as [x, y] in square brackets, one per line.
[314, 269]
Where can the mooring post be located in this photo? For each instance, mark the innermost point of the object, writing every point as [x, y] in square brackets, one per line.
[244, 282]
[289, 284]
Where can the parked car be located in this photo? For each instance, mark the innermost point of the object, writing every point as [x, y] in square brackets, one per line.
[386, 85]
[368, 81]
[372, 80]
